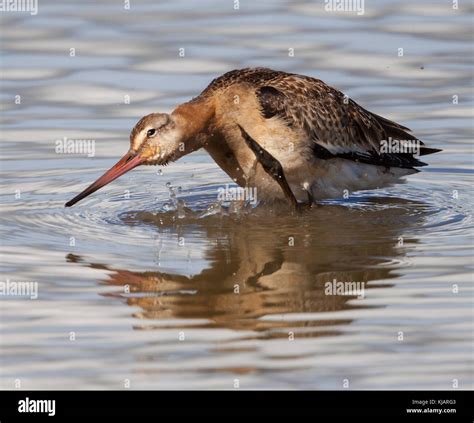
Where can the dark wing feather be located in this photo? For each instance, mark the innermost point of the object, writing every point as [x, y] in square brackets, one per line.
[271, 101]
[338, 126]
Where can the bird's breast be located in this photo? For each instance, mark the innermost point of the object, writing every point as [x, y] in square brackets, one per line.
[232, 154]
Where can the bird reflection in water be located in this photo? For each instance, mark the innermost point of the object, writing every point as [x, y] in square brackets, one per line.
[262, 264]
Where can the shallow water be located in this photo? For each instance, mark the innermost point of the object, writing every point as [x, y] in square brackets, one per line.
[136, 286]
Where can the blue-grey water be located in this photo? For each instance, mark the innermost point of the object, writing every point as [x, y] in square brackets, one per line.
[138, 289]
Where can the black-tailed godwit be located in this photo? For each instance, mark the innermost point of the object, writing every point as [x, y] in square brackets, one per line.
[292, 137]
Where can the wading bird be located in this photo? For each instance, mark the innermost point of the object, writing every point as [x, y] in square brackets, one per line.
[292, 137]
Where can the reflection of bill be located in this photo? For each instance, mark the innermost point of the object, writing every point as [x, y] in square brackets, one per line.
[254, 271]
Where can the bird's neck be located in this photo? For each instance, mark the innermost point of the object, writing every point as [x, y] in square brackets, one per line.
[194, 118]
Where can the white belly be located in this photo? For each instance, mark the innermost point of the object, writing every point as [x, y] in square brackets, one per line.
[333, 178]
[341, 177]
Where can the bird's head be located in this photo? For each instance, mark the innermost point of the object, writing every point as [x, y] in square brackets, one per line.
[156, 139]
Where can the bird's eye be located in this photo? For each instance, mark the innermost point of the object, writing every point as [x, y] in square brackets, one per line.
[151, 132]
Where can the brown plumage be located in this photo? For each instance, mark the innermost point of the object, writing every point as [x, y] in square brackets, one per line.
[290, 136]
[328, 117]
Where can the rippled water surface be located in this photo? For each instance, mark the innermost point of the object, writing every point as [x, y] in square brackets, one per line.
[139, 282]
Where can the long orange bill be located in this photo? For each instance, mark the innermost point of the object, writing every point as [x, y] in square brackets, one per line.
[126, 163]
